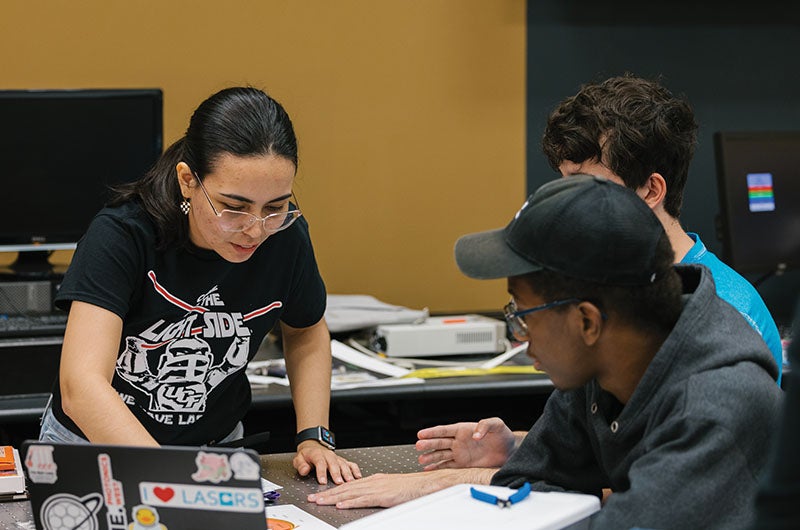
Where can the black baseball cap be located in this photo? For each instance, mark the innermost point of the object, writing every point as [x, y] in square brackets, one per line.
[581, 226]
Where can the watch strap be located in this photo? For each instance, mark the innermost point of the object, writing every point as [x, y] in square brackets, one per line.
[319, 433]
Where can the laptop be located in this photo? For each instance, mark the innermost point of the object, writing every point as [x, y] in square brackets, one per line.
[111, 487]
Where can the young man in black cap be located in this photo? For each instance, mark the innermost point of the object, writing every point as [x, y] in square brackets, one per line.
[663, 392]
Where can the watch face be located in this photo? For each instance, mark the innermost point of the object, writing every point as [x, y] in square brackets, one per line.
[327, 436]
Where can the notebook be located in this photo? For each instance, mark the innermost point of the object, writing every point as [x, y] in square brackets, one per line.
[100, 487]
[455, 508]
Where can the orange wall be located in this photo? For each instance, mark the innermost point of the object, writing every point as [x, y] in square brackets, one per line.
[410, 114]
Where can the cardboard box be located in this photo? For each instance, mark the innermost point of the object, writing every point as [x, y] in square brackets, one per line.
[12, 481]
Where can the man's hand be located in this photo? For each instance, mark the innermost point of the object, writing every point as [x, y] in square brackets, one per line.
[310, 454]
[387, 490]
[487, 443]
[383, 490]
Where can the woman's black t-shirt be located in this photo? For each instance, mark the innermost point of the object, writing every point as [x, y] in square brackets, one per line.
[191, 319]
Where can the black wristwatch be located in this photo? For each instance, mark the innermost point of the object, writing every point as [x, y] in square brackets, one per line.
[318, 433]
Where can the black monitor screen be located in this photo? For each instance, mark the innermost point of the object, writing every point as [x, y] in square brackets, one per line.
[759, 194]
[61, 149]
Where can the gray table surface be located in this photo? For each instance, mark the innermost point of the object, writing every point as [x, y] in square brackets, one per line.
[278, 469]
[390, 459]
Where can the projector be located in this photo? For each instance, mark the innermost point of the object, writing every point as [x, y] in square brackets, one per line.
[441, 336]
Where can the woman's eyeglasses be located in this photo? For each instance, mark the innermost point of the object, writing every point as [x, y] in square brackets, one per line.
[232, 221]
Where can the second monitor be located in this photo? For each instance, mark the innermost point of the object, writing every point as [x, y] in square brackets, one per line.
[758, 174]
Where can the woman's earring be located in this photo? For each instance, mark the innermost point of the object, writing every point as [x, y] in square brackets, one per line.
[185, 206]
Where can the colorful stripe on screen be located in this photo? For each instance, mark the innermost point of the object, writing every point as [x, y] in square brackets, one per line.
[760, 195]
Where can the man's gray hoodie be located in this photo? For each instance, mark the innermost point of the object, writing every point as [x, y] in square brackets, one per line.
[688, 449]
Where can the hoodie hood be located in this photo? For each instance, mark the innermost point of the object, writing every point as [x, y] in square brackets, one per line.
[711, 329]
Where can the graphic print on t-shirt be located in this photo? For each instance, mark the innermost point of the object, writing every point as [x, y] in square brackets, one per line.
[187, 371]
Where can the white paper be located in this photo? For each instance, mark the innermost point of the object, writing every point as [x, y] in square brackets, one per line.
[387, 373]
[296, 516]
[389, 381]
[494, 362]
[268, 485]
[352, 356]
[267, 380]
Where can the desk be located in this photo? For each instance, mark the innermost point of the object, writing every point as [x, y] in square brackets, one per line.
[278, 468]
[371, 416]
[392, 415]
[360, 417]
[29, 407]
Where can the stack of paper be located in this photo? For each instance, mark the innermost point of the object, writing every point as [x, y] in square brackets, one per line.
[351, 369]
[12, 479]
[350, 312]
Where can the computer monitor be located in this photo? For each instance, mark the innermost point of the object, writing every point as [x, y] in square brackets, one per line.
[60, 150]
[758, 175]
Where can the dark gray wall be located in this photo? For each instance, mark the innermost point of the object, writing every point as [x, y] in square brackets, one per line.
[738, 65]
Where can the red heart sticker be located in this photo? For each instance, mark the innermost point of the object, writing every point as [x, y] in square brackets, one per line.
[164, 494]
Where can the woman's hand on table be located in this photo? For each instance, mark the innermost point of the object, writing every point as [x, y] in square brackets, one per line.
[311, 455]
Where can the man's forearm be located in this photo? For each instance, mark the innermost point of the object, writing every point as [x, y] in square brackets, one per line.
[444, 478]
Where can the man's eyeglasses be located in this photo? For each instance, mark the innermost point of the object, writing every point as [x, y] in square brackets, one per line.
[232, 221]
[517, 325]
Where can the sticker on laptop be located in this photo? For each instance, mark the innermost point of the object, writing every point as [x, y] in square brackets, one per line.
[212, 467]
[64, 511]
[194, 497]
[145, 518]
[42, 469]
[113, 495]
[244, 467]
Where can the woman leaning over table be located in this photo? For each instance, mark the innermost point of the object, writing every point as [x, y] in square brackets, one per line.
[178, 280]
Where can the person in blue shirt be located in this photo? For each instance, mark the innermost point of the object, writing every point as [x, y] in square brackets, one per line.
[637, 133]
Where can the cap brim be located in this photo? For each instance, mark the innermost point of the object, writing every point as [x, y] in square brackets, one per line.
[487, 256]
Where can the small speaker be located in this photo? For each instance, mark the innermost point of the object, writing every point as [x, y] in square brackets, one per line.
[25, 297]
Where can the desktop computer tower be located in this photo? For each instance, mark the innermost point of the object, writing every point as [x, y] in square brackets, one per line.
[26, 297]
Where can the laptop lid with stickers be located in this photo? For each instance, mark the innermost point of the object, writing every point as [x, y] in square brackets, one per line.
[110, 487]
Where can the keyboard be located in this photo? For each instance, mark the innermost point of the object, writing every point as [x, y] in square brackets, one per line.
[14, 326]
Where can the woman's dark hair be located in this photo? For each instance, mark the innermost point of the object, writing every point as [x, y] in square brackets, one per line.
[241, 121]
[654, 307]
[634, 126]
